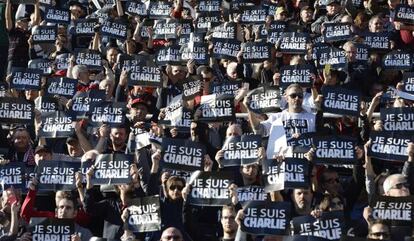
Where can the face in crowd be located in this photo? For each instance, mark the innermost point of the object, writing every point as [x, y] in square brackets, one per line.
[294, 97]
[396, 185]
[66, 209]
[228, 220]
[379, 231]
[174, 188]
[171, 234]
[302, 199]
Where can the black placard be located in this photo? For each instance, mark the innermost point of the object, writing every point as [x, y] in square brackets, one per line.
[335, 150]
[60, 16]
[46, 104]
[114, 29]
[255, 52]
[57, 175]
[179, 173]
[61, 86]
[328, 226]
[225, 87]
[251, 193]
[404, 14]
[217, 108]
[192, 88]
[294, 43]
[62, 61]
[159, 9]
[195, 51]
[264, 99]
[337, 32]
[378, 41]
[300, 74]
[44, 65]
[145, 25]
[397, 60]
[304, 140]
[205, 21]
[305, 238]
[12, 175]
[56, 124]
[182, 154]
[144, 214]
[266, 218]
[398, 119]
[44, 34]
[82, 102]
[52, 228]
[136, 8]
[112, 169]
[274, 32]
[26, 79]
[397, 210]
[332, 56]
[389, 145]
[177, 116]
[362, 52]
[253, 14]
[225, 31]
[126, 61]
[408, 79]
[289, 174]
[16, 110]
[165, 29]
[169, 55]
[341, 101]
[209, 6]
[241, 150]
[144, 74]
[226, 49]
[210, 188]
[85, 26]
[89, 58]
[111, 113]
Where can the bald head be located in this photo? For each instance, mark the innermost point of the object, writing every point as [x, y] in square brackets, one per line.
[396, 185]
[171, 234]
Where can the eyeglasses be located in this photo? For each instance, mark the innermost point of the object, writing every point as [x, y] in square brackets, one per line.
[379, 234]
[294, 95]
[401, 185]
[174, 187]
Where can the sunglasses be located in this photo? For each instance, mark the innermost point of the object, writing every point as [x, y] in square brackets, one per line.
[174, 187]
[401, 185]
[379, 234]
[294, 95]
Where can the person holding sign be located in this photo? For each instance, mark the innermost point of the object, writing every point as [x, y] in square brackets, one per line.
[294, 120]
[333, 9]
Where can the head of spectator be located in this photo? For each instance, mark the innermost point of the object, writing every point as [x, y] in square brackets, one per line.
[9, 196]
[302, 199]
[198, 131]
[118, 137]
[81, 73]
[231, 71]
[77, 10]
[111, 55]
[306, 14]
[350, 51]
[139, 107]
[174, 186]
[347, 19]
[42, 153]
[228, 222]
[66, 208]
[171, 234]
[331, 202]
[234, 130]
[330, 77]
[281, 14]
[333, 7]
[392, 4]
[20, 139]
[176, 73]
[249, 173]
[376, 24]
[294, 96]
[396, 185]
[410, 3]
[74, 147]
[31, 95]
[329, 182]
[361, 20]
[207, 74]
[378, 230]
[108, 85]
